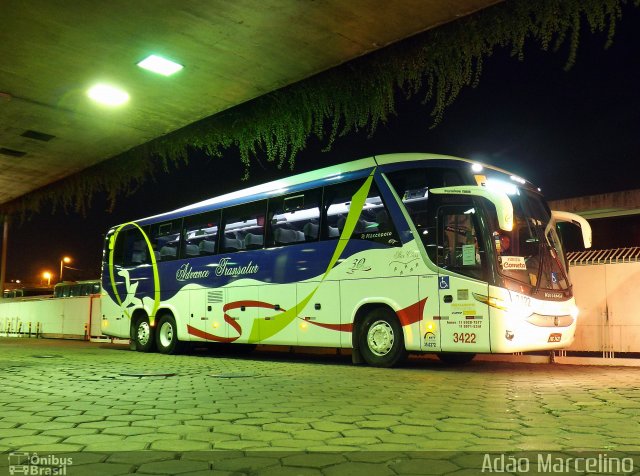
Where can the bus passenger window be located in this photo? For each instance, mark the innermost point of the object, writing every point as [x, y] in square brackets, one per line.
[165, 239]
[243, 227]
[135, 247]
[294, 218]
[372, 223]
[200, 233]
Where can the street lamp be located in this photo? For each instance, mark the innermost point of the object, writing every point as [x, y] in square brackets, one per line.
[64, 260]
[47, 275]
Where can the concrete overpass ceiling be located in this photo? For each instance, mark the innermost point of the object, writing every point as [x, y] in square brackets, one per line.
[54, 51]
[605, 205]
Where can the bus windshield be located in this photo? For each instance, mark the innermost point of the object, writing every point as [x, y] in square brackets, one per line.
[532, 252]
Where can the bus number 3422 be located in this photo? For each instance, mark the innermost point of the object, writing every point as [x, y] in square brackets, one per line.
[464, 338]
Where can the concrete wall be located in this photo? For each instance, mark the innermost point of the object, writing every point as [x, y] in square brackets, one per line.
[609, 302]
[75, 317]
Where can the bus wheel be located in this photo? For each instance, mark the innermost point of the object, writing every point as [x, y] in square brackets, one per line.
[143, 335]
[167, 335]
[380, 339]
[456, 358]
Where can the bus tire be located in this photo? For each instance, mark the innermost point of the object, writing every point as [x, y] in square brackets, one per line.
[167, 335]
[456, 358]
[380, 339]
[143, 335]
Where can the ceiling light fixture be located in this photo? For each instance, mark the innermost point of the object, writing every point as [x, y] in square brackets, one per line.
[108, 95]
[160, 65]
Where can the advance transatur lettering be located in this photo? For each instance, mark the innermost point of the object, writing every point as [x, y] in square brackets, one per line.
[223, 268]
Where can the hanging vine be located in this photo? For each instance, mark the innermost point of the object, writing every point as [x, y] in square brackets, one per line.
[359, 95]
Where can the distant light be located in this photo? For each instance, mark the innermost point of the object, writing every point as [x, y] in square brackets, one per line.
[518, 179]
[108, 95]
[160, 65]
[477, 167]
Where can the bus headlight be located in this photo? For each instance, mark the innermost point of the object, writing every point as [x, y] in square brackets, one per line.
[574, 312]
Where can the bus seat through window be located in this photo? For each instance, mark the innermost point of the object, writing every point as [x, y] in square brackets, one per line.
[207, 247]
[310, 231]
[138, 252]
[232, 244]
[253, 241]
[168, 252]
[286, 236]
[192, 250]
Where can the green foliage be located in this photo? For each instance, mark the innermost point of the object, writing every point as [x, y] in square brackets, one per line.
[358, 95]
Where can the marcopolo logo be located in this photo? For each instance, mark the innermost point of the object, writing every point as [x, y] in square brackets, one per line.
[38, 465]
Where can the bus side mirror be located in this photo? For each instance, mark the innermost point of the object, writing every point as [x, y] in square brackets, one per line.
[577, 220]
[498, 198]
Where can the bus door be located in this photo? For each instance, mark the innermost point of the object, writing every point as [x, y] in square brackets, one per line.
[464, 320]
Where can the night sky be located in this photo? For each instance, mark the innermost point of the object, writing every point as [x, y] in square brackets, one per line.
[571, 133]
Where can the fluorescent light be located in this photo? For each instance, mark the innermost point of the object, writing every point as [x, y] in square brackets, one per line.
[108, 95]
[477, 167]
[160, 65]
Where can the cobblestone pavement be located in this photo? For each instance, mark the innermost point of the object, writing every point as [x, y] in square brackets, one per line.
[114, 411]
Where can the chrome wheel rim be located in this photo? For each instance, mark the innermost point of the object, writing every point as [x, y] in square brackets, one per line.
[380, 338]
[166, 334]
[144, 333]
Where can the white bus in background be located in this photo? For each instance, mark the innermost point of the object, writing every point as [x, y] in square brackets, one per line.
[388, 255]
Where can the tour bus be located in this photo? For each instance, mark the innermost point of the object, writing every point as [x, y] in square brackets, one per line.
[76, 288]
[27, 292]
[387, 255]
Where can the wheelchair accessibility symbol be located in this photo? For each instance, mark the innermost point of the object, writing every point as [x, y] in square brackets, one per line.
[443, 282]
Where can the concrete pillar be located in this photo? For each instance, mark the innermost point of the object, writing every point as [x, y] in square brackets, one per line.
[3, 258]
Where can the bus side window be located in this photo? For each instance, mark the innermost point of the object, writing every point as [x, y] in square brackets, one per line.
[294, 218]
[200, 234]
[243, 227]
[458, 243]
[135, 248]
[165, 240]
[373, 220]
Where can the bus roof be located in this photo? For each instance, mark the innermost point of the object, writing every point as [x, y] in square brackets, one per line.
[326, 174]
